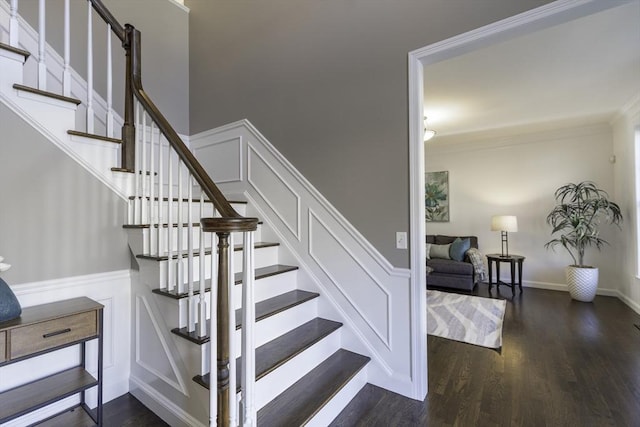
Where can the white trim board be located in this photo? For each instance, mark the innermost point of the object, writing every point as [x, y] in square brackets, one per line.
[541, 17]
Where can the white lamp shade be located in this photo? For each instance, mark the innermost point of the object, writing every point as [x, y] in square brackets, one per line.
[504, 223]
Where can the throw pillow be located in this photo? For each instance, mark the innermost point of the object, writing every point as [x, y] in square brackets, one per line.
[458, 248]
[428, 249]
[9, 305]
[440, 251]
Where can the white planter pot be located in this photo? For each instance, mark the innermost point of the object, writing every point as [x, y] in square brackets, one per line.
[582, 282]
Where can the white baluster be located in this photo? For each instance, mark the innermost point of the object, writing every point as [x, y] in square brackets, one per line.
[190, 305]
[109, 84]
[42, 66]
[202, 307]
[136, 177]
[66, 72]
[90, 117]
[233, 409]
[160, 193]
[248, 411]
[14, 29]
[152, 177]
[170, 276]
[180, 263]
[143, 171]
[213, 342]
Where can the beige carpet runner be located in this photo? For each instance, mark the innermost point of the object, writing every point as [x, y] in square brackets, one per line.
[466, 318]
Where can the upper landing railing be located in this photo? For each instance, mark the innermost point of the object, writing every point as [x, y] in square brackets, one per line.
[165, 177]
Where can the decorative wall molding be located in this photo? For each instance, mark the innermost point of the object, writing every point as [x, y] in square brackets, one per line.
[253, 161]
[357, 284]
[142, 308]
[355, 264]
[230, 149]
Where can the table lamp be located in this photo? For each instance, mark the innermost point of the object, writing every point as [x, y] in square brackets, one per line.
[504, 224]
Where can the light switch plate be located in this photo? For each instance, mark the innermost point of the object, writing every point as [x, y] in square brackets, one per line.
[401, 240]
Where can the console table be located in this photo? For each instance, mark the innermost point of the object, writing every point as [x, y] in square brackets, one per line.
[513, 260]
[46, 328]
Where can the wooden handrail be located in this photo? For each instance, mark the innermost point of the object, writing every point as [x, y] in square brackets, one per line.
[130, 38]
[231, 220]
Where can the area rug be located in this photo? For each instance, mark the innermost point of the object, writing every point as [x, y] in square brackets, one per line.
[466, 318]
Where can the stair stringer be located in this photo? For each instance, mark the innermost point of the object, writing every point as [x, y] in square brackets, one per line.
[358, 286]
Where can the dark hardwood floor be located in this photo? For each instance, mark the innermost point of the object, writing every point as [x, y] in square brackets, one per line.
[563, 363]
[127, 411]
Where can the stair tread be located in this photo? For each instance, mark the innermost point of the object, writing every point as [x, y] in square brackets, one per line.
[300, 402]
[264, 309]
[207, 251]
[17, 50]
[94, 136]
[47, 94]
[278, 351]
[260, 273]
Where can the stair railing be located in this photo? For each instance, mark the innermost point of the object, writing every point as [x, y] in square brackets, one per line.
[166, 177]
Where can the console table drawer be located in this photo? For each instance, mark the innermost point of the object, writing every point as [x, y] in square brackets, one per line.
[53, 333]
[3, 346]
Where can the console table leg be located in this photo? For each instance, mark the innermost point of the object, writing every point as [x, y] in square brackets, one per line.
[490, 263]
[520, 275]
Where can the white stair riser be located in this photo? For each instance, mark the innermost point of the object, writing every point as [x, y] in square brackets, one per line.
[330, 411]
[278, 324]
[11, 66]
[154, 273]
[100, 154]
[148, 212]
[264, 289]
[265, 331]
[277, 381]
[268, 287]
[147, 239]
[56, 116]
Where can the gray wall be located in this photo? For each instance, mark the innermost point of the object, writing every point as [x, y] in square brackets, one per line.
[165, 49]
[56, 220]
[326, 83]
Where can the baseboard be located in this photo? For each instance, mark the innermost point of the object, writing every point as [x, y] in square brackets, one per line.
[628, 301]
[159, 405]
[606, 292]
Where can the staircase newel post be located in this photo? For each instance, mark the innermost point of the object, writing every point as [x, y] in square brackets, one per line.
[128, 128]
[223, 330]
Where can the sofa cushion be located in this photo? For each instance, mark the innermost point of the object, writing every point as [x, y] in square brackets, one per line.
[458, 248]
[439, 251]
[443, 240]
[428, 250]
[449, 266]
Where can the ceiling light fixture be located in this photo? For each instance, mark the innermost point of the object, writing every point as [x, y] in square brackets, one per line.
[428, 133]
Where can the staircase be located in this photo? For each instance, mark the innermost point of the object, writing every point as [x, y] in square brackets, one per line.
[266, 321]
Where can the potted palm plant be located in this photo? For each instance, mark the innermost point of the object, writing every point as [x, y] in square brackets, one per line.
[580, 211]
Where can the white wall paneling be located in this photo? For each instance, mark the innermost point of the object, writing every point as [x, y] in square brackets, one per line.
[358, 286]
[111, 289]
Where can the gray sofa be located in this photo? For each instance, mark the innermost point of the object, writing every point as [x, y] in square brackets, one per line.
[448, 273]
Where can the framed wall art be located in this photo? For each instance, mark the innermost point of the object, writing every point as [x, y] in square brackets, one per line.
[436, 196]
